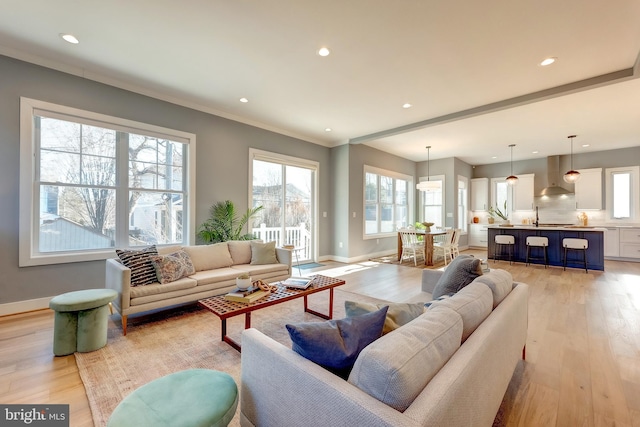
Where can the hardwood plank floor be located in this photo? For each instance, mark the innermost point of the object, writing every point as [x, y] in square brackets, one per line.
[583, 345]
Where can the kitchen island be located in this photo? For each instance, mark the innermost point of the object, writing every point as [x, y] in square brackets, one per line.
[555, 234]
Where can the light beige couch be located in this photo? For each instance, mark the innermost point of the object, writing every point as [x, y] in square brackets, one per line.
[445, 383]
[217, 267]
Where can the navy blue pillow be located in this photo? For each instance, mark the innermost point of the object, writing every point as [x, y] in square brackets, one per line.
[335, 344]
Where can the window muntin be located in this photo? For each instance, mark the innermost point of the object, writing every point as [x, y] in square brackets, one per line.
[96, 182]
[463, 198]
[433, 202]
[386, 201]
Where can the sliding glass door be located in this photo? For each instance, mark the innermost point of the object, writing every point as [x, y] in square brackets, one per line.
[285, 187]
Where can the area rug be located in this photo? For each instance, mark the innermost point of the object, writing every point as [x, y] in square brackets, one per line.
[310, 265]
[186, 338]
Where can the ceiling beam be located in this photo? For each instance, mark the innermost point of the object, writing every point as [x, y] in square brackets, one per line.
[554, 92]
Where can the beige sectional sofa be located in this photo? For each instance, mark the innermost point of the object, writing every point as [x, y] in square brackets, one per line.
[448, 367]
[216, 268]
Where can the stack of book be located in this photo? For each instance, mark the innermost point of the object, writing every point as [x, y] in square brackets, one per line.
[250, 295]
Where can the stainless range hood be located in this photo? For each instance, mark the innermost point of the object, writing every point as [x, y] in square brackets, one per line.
[554, 178]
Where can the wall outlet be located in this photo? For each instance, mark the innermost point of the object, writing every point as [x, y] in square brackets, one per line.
[354, 214]
[449, 214]
[377, 241]
[324, 214]
[340, 244]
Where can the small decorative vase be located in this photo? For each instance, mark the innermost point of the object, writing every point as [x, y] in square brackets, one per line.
[243, 284]
[490, 220]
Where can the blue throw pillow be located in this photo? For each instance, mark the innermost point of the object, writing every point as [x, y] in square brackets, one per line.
[336, 344]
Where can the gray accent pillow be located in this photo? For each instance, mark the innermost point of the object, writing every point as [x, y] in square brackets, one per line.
[460, 272]
[263, 253]
[398, 314]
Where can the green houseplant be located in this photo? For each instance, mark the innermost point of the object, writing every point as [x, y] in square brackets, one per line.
[499, 213]
[224, 225]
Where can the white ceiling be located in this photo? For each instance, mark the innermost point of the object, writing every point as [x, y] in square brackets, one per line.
[443, 57]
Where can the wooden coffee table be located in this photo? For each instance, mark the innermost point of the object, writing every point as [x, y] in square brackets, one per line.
[224, 309]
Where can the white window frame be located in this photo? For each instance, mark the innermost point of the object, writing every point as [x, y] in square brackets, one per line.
[633, 193]
[29, 200]
[395, 176]
[494, 195]
[443, 201]
[463, 223]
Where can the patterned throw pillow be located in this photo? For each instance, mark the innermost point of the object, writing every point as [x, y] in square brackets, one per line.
[139, 262]
[398, 314]
[172, 267]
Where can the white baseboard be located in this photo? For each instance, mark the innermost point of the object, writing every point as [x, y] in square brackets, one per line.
[24, 306]
[360, 258]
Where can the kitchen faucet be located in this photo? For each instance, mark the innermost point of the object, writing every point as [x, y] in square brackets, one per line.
[537, 218]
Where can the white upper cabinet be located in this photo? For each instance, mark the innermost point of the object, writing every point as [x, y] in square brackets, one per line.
[523, 193]
[479, 194]
[589, 189]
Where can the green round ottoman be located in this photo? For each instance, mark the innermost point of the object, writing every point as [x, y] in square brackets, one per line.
[81, 320]
[194, 398]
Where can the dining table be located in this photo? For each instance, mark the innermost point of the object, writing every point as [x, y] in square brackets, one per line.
[428, 244]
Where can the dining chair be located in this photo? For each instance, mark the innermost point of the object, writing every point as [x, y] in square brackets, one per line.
[446, 246]
[411, 246]
[455, 244]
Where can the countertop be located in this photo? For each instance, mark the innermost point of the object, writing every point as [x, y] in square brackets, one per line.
[549, 227]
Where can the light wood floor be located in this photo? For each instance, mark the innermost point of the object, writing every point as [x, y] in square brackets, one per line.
[583, 346]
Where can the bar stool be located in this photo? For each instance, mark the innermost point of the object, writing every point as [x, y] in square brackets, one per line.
[537, 242]
[501, 240]
[575, 245]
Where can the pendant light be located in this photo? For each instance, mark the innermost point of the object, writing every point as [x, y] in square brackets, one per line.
[573, 175]
[512, 179]
[428, 185]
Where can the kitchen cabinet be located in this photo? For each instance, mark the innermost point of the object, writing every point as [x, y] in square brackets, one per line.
[588, 189]
[612, 242]
[479, 194]
[523, 193]
[629, 242]
[478, 235]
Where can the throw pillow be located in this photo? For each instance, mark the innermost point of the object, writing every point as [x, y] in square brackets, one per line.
[209, 257]
[240, 251]
[139, 262]
[398, 314]
[172, 267]
[263, 253]
[336, 344]
[429, 304]
[460, 272]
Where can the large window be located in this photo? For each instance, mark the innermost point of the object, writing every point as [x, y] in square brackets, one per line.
[386, 201]
[622, 193]
[501, 193]
[433, 201]
[463, 198]
[90, 183]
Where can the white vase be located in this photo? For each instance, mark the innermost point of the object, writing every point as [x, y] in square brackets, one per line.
[243, 284]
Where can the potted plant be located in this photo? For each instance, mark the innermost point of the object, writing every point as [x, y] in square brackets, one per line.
[224, 225]
[243, 281]
[496, 212]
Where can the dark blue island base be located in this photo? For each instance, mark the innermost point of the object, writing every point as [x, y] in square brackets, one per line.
[595, 252]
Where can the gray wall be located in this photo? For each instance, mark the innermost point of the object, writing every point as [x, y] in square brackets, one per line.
[222, 165]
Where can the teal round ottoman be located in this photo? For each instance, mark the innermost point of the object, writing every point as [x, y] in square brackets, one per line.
[81, 320]
[193, 398]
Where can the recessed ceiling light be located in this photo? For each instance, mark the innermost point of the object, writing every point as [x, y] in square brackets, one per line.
[323, 51]
[245, 100]
[585, 145]
[535, 152]
[328, 129]
[494, 157]
[69, 38]
[548, 61]
[407, 105]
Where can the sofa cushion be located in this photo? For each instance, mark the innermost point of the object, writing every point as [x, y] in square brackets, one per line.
[335, 344]
[158, 289]
[460, 272]
[473, 303]
[398, 314]
[209, 257]
[395, 368]
[172, 266]
[139, 262]
[240, 251]
[223, 274]
[263, 253]
[500, 282]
